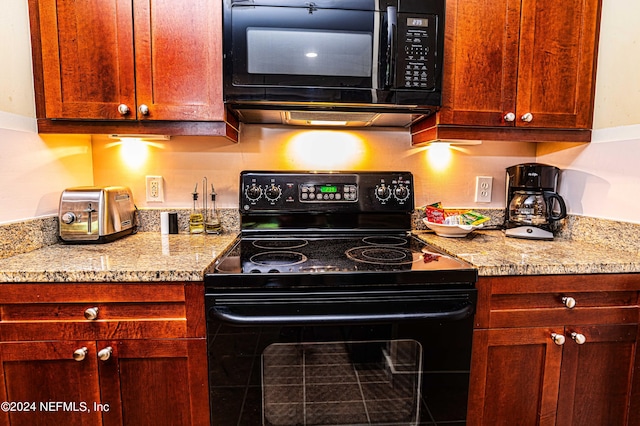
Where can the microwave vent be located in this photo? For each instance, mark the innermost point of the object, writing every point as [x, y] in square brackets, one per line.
[328, 118]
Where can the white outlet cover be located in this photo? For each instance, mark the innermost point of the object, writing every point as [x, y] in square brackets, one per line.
[154, 189]
[484, 185]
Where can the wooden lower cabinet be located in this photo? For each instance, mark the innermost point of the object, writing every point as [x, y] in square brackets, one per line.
[121, 379]
[563, 373]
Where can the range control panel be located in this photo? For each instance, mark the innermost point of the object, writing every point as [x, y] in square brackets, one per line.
[326, 191]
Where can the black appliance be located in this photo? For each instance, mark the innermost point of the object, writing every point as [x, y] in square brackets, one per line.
[327, 311]
[333, 55]
[534, 209]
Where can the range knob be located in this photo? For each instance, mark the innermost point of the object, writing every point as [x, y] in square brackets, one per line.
[254, 192]
[273, 192]
[383, 192]
[69, 218]
[401, 192]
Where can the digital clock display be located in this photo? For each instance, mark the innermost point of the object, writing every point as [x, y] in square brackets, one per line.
[328, 189]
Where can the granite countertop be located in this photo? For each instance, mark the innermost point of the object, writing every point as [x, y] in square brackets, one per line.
[152, 257]
[493, 254]
[143, 257]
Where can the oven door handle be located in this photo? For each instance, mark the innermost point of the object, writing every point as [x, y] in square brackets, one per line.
[226, 314]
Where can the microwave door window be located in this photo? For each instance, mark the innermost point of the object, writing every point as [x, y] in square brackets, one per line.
[309, 53]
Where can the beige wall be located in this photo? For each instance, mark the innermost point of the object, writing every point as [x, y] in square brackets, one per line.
[16, 77]
[602, 179]
[448, 177]
[33, 169]
[599, 180]
[618, 79]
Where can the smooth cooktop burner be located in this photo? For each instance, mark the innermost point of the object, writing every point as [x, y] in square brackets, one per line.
[326, 254]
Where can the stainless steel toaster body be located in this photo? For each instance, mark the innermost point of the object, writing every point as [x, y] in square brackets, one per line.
[96, 214]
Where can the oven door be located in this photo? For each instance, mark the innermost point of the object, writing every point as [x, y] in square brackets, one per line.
[301, 44]
[344, 358]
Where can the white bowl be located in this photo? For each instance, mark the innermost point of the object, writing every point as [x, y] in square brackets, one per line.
[455, 231]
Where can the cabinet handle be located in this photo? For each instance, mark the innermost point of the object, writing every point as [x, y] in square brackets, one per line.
[527, 118]
[80, 354]
[105, 353]
[509, 117]
[578, 338]
[558, 339]
[123, 109]
[91, 313]
[569, 302]
[144, 110]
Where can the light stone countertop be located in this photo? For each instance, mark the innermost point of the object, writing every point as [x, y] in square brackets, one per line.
[142, 257]
[493, 254]
[152, 257]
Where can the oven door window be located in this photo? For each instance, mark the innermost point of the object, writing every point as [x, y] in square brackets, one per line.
[342, 383]
[292, 46]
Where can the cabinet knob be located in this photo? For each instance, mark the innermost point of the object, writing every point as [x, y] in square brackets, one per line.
[80, 354]
[578, 338]
[569, 302]
[144, 110]
[558, 339]
[105, 354]
[527, 118]
[123, 109]
[91, 313]
[509, 117]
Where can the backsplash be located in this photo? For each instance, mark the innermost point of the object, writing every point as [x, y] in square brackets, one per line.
[23, 237]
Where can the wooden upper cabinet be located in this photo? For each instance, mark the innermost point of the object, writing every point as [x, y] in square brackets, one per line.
[87, 57]
[179, 59]
[513, 59]
[128, 59]
[517, 70]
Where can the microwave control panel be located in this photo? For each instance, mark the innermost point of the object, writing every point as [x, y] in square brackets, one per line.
[416, 61]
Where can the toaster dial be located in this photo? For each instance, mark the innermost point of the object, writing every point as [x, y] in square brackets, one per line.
[69, 218]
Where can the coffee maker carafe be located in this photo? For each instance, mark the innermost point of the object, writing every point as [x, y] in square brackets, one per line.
[533, 206]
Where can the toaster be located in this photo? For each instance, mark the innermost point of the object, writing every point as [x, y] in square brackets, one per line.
[91, 214]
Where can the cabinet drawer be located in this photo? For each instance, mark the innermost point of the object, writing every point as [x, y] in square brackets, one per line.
[92, 311]
[559, 300]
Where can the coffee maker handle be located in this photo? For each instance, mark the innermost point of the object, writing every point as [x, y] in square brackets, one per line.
[549, 197]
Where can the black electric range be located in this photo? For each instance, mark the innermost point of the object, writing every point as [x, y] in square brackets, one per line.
[327, 260]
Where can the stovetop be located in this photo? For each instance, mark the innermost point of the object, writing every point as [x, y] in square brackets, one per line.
[334, 254]
[330, 230]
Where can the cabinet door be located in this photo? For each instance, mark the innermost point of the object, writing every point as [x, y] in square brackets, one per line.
[179, 59]
[556, 70]
[515, 375]
[521, 57]
[481, 60]
[596, 378]
[147, 380]
[87, 57]
[46, 374]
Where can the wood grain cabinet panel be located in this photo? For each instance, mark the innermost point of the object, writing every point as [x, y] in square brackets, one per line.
[517, 70]
[539, 359]
[129, 66]
[141, 359]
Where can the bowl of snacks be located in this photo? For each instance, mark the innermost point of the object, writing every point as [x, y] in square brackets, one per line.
[454, 223]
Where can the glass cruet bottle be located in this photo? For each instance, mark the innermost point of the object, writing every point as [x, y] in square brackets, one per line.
[212, 223]
[196, 220]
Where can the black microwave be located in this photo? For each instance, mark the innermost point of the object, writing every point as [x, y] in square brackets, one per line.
[381, 53]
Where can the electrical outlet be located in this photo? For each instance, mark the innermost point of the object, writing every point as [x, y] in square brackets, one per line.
[155, 190]
[484, 185]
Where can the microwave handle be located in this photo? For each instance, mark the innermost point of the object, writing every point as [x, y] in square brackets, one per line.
[392, 25]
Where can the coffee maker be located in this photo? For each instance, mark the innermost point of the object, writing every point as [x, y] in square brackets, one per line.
[533, 206]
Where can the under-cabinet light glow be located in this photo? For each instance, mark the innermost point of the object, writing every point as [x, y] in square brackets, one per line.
[311, 55]
[439, 155]
[326, 123]
[326, 150]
